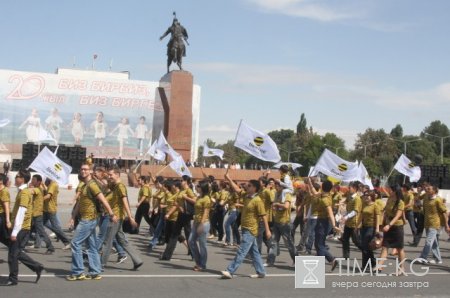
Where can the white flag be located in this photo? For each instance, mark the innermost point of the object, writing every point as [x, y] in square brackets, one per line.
[45, 135]
[163, 146]
[212, 152]
[292, 165]
[408, 168]
[365, 178]
[179, 166]
[156, 153]
[49, 165]
[256, 143]
[332, 165]
[4, 122]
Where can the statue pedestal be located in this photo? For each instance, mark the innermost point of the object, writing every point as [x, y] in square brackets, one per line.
[176, 89]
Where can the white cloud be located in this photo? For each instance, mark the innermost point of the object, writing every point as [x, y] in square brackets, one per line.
[315, 10]
[218, 128]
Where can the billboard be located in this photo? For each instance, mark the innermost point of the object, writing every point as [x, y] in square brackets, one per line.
[109, 114]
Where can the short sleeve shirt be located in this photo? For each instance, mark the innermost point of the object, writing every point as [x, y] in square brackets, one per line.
[4, 198]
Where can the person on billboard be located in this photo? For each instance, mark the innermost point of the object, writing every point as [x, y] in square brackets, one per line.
[54, 123]
[99, 125]
[33, 123]
[123, 127]
[77, 128]
[140, 133]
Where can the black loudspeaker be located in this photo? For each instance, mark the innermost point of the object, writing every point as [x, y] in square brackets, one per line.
[81, 153]
[35, 151]
[16, 164]
[63, 152]
[27, 150]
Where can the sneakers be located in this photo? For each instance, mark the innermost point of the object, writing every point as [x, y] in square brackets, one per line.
[267, 265]
[226, 275]
[76, 277]
[93, 277]
[211, 237]
[258, 275]
[423, 261]
[52, 235]
[434, 262]
[121, 259]
[67, 246]
[49, 252]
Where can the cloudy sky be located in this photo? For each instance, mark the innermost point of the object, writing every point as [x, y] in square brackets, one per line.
[347, 64]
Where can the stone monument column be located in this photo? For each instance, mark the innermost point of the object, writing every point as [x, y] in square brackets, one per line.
[176, 88]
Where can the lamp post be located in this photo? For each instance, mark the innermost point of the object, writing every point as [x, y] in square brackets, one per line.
[442, 144]
[289, 153]
[335, 148]
[365, 148]
[406, 142]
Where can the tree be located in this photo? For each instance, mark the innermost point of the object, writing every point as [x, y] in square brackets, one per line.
[302, 128]
[439, 129]
[281, 136]
[397, 132]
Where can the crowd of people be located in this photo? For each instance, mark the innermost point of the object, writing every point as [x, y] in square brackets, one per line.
[241, 215]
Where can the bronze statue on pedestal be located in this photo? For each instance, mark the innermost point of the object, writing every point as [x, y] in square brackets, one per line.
[176, 48]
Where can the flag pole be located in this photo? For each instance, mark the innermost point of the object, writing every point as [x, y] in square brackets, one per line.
[139, 164]
[237, 132]
[389, 176]
[160, 171]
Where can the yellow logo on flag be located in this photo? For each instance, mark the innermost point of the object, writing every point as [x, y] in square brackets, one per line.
[342, 167]
[58, 167]
[210, 152]
[411, 165]
[182, 169]
[258, 141]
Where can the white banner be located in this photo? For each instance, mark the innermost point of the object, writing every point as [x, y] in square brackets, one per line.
[292, 165]
[332, 165]
[179, 166]
[207, 152]
[256, 143]
[408, 168]
[49, 165]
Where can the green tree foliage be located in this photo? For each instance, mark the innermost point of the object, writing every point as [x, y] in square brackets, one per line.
[302, 126]
[397, 131]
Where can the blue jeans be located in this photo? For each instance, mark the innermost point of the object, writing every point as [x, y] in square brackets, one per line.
[312, 222]
[158, 230]
[367, 234]
[232, 216]
[52, 222]
[85, 234]
[248, 246]
[281, 230]
[199, 252]
[412, 224]
[431, 243]
[101, 238]
[322, 229]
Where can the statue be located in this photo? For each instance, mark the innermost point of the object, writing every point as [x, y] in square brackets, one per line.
[176, 48]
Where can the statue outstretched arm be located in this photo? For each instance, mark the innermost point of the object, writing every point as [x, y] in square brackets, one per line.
[165, 34]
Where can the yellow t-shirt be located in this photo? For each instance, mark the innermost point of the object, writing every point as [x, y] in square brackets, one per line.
[38, 201]
[118, 193]
[314, 203]
[433, 208]
[88, 195]
[353, 204]
[252, 210]
[323, 202]
[369, 213]
[390, 211]
[233, 198]
[4, 198]
[23, 199]
[200, 205]
[408, 197]
[50, 205]
[267, 197]
[172, 200]
[146, 192]
[280, 215]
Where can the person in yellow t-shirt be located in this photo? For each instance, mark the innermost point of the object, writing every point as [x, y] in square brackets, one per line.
[435, 218]
[21, 221]
[393, 236]
[200, 228]
[38, 207]
[369, 224]
[5, 221]
[85, 231]
[50, 216]
[408, 196]
[354, 207]
[252, 212]
[267, 196]
[281, 224]
[158, 211]
[143, 204]
[121, 208]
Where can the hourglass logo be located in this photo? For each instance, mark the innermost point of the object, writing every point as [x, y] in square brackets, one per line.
[309, 272]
